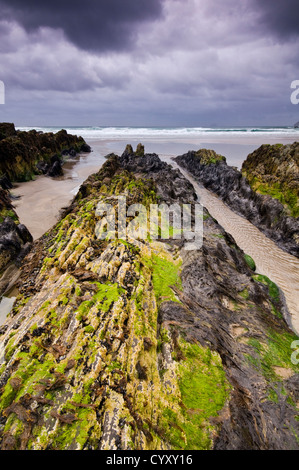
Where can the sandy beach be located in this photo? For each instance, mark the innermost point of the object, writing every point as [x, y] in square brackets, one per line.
[42, 199]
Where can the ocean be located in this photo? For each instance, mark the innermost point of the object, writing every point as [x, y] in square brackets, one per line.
[170, 132]
[235, 143]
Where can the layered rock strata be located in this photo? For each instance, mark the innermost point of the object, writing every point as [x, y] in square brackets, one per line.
[136, 344]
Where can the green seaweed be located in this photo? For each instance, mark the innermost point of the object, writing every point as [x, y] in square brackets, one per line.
[274, 352]
[204, 392]
[105, 296]
[250, 262]
[272, 287]
[165, 274]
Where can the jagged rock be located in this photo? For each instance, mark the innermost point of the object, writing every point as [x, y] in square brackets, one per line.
[55, 170]
[21, 152]
[85, 148]
[296, 125]
[5, 202]
[139, 150]
[52, 168]
[5, 182]
[265, 212]
[55, 167]
[15, 241]
[72, 152]
[274, 170]
[128, 151]
[7, 130]
[140, 344]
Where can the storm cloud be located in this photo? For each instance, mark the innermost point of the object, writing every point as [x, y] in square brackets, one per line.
[280, 17]
[92, 24]
[149, 62]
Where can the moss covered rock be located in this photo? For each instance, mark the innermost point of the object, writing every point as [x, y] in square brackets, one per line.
[137, 344]
[274, 170]
[20, 151]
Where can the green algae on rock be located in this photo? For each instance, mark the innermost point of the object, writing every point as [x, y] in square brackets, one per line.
[132, 344]
[274, 170]
[208, 157]
[21, 152]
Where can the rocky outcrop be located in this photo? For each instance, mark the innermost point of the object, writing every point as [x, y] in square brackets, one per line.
[15, 239]
[15, 242]
[274, 170]
[24, 154]
[7, 129]
[134, 344]
[52, 168]
[265, 212]
[296, 125]
[5, 182]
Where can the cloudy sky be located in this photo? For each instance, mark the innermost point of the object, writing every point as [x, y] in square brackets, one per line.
[149, 62]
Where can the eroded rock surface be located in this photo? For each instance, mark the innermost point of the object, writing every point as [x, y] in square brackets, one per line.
[25, 154]
[15, 239]
[140, 344]
[274, 170]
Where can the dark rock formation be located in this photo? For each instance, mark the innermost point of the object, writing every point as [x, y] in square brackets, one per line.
[7, 130]
[24, 154]
[55, 169]
[52, 168]
[150, 165]
[85, 148]
[274, 170]
[5, 182]
[296, 125]
[139, 344]
[265, 212]
[15, 242]
[15, 239]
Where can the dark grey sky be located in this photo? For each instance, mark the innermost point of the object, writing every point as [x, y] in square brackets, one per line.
[149, 62]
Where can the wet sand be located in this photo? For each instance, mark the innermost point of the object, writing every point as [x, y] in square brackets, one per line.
[42, 199]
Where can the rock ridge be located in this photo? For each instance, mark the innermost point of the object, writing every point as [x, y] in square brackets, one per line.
[24, 154]
[136, 344]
